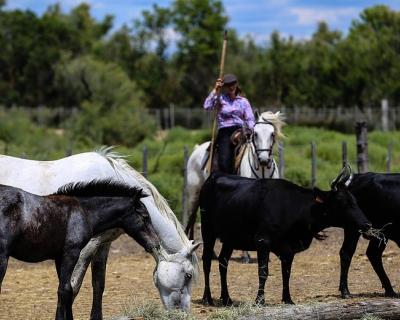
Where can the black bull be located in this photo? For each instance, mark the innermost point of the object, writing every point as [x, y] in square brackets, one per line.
[268, 215]
[378, 196]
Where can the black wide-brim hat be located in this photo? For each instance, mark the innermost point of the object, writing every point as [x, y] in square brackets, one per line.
[229, 78]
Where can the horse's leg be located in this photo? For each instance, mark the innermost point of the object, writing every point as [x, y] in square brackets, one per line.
[99, 263]
[223, 259]
[82, 264]
[262, 258]
[65, 267]
[374, 253]
[209, 243]
[286, 266]
[245, 258]
[86, 255]
[346, 254]
[193, 206]
[3, 267]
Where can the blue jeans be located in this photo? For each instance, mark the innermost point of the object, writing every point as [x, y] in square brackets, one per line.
[226, 149]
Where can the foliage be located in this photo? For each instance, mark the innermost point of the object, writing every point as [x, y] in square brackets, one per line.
[20, 136]
[172, 55]
[111, 111]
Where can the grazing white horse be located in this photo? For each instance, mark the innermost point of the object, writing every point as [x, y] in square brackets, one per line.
[257, 161]
[177, 265]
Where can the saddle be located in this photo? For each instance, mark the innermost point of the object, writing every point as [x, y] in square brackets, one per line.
[238, 139]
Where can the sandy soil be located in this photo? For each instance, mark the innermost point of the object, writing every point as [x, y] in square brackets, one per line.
[29, 290]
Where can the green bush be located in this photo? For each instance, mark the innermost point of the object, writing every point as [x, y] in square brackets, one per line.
[111, 110]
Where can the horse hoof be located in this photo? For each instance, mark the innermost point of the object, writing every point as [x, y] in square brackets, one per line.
[245, 259]
[227, 301]
[260, 302]
[288, 301]
[391, 294]
[207, 301]
[345, 295]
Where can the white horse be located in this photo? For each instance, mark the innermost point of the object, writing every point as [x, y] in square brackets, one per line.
[177, 265]
[257, 161]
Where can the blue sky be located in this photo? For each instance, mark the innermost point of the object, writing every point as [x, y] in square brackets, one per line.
[255, 17]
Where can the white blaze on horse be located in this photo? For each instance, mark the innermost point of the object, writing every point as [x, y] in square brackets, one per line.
[256, 161]
[176, 268]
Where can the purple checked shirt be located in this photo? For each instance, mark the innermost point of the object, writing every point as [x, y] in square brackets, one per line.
[236, 112]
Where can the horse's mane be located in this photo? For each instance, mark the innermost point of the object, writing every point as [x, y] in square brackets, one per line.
[99, 188]
[117, 161]
[277, 119]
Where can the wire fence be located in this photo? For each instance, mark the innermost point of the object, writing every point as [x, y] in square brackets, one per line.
[383, 117]
[341, 119]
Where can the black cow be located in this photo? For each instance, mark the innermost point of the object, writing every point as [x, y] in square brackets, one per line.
[378, 196]
[268, 215]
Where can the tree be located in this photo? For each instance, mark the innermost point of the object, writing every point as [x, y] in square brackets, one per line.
[200, 25]
[369, 57]
[111, 104]
[319, 81]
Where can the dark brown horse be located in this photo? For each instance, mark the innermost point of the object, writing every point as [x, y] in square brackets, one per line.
[37, 228]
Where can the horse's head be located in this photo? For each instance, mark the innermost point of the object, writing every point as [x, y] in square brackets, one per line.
[137, 223]
[266, 131]
[174, 277]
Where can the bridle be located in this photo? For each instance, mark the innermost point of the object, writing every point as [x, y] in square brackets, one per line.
[256, 151]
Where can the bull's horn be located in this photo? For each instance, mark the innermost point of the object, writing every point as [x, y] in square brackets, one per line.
[337, 179]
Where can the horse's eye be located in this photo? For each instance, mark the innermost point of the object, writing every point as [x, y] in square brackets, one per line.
[188, 275]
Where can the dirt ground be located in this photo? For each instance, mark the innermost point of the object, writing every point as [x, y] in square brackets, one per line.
[29, 290]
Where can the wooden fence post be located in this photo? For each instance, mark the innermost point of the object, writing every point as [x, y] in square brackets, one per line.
[171, 115]
[158, 118]
[281, 160]
[68, 152]
[144, 163]
[166, 118]
[313, 164]
[344, 153]
[185, 217]
[362, 146]
[389, 158]
[385, 115]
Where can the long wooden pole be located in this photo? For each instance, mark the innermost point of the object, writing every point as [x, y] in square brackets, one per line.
[216, 108]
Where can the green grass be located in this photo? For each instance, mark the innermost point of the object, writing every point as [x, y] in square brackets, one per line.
[135, 308]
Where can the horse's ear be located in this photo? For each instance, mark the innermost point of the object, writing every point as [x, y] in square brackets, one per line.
[142, 194]
[139, 195]
[256, 114]
[194, 247]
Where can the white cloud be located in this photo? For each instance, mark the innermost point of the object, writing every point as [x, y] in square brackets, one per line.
[310, 16]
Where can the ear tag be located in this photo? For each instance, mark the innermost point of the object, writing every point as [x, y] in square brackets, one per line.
[319, 200]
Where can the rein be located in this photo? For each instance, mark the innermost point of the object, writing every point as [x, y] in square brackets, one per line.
[255, 169]
[269, 150]
[255, 151]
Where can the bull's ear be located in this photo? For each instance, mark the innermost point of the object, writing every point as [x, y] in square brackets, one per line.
[320, 196]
